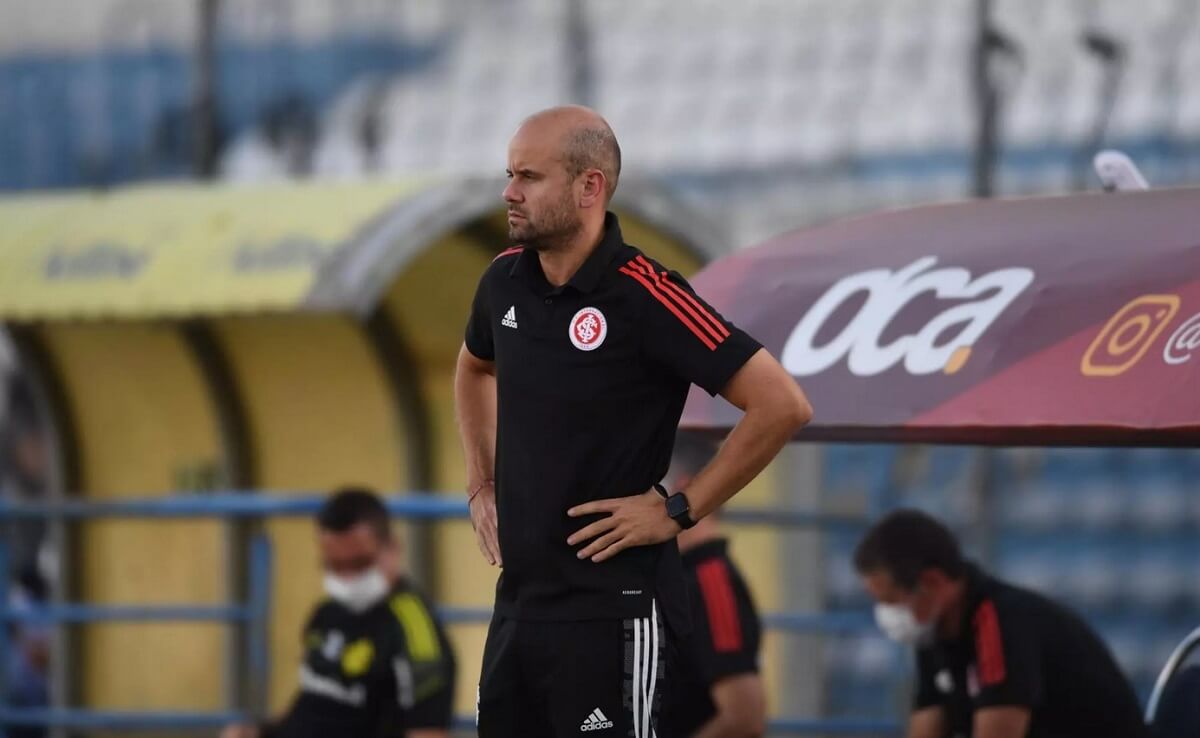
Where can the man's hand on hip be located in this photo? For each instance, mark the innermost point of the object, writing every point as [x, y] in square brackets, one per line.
[483, 520]
[640, 520]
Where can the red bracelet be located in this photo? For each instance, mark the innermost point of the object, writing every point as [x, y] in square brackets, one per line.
[475, 492]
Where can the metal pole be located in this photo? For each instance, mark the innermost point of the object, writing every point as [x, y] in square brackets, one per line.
[204, 102]
[986, 102]
[259, 666]
[1110, 53]
[4, 626]
[578, 52]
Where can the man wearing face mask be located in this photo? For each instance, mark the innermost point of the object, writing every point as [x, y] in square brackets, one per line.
[376, 663]
[993, 660]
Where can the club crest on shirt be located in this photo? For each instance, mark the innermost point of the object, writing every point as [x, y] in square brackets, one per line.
[357, 657]
[588, 329]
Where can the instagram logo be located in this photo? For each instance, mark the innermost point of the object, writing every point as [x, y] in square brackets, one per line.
[1127, 336]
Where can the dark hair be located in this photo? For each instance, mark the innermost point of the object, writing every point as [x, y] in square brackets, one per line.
[350, 506]
[906, 543]
[594, 147]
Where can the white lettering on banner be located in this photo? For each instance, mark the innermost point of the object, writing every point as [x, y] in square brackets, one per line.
[887, 294]
[1183, 341]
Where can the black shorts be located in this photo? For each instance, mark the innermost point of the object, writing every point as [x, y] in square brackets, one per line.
[598, 678]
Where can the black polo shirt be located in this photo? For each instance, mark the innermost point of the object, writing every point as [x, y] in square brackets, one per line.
[1021, 649]
[724, 641]
[591, 381]
[372, 674]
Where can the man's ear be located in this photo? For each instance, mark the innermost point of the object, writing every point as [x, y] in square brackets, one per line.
[393, 555]
[594, 185]
[932, 580]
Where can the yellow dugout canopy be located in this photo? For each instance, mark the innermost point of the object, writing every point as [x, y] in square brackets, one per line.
[179, 251]
[281, 338]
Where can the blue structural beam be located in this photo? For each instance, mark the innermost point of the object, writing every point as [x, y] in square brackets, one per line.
[420, 506]
[793, 726]
[796, 622]
[109, 720]
[147, 721]
[56, 614]
[817, 622]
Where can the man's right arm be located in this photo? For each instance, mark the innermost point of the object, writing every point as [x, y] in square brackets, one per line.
[741, 704]
[475, 407]
[927, 722]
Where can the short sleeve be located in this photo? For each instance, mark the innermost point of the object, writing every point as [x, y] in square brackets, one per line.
[479, 325]
[1006, 658]
[926, 693]
[685, 334]
[425, 671]
[725, 641]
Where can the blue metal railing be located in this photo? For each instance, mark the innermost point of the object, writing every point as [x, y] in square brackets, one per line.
[254, 614]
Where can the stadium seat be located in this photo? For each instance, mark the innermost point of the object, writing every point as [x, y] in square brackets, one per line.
[1173, 710]
[1159, 505]
[1179, 709]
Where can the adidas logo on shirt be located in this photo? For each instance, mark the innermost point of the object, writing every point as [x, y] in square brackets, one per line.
[596, 721]
[510, 318]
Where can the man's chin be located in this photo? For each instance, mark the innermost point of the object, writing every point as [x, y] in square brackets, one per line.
[526, 238]
[518, 236]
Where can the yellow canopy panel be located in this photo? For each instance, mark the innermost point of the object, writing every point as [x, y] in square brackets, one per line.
[179, 250]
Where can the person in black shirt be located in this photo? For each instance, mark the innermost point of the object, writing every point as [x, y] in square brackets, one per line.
[717, 691]
[993, 660]
[576, 363]
[377, 664]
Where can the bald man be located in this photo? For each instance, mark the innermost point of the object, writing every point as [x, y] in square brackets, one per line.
[578, 356]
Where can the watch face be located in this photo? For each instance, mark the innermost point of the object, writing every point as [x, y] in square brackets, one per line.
[677, 504]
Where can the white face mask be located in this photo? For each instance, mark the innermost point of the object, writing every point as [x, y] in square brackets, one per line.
[898, 623]
[357, 593]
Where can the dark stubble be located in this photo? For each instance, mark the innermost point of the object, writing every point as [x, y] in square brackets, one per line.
[553, 228]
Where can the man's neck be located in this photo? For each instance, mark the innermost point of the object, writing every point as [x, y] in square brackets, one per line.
[952, 620]
[560, 264]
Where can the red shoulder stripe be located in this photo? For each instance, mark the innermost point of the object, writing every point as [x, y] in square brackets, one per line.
[989, 645]
[653, 290]
[720, 605]
[721, 332]
[506, 252]
[662, 285]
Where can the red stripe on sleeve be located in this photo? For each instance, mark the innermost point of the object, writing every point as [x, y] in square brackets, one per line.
[989, 645]
[664, 288]
[716, 327]
[720, 605]
[506, 252]
[670, 306]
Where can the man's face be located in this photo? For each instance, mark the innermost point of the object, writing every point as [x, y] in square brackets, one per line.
[352, 552]
[922, 601]
[541, 196]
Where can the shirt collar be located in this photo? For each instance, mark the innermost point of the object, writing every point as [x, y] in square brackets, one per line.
[589, 274]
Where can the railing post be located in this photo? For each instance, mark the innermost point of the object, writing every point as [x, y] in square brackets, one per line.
[260, 613]
[4, 644]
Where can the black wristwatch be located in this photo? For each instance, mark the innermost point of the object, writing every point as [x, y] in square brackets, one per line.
[678, 508]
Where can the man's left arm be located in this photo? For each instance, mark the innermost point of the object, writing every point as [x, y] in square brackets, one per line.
[741, 704]
[775, 408]
[1007, 669]
[686, 337]
[1001, 722]
[426, 672]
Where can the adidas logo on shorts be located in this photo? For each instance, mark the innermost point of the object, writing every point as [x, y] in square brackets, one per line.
[596, 721]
